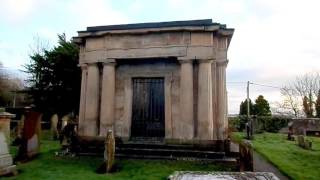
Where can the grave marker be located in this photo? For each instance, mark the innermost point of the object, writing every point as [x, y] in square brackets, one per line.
[6, 162]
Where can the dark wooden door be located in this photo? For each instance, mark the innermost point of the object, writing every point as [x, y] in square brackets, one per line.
[148, 107]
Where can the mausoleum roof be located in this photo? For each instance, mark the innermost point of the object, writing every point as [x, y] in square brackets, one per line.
[200, 22]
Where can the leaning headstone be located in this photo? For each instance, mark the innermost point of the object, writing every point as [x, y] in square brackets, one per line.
[54, 124]
[109, 151]
[30, 143]
[6, 162]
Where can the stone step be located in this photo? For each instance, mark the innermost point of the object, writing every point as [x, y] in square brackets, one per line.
[170, 146]
[225, 160]
[171, 152]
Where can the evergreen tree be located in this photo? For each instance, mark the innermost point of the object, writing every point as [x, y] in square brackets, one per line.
[318, 105]
[55, 78]
[243, 107]
[262, 107]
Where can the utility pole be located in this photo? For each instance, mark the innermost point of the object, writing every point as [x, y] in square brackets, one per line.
[250, 123]
[248, 103]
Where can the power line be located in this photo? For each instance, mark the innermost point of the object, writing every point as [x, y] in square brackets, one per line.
[270, 86]
[236, 82]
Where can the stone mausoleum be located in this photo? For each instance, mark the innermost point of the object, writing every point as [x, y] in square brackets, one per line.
[161, 81]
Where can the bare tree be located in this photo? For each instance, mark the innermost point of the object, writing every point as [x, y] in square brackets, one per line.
[303, 88]
[290, 103]
[39, 45]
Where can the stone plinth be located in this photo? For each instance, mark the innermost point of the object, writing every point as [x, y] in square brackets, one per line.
[6, 163]
[5, 124]
[185, 175]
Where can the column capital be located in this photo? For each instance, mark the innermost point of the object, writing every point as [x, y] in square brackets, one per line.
[107, 61]
[185, 60]
[92, 64]
[205, 60]
[83, 66]
[222, 62]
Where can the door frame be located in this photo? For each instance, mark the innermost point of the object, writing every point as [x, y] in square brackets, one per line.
[144, 135]
[128, 90]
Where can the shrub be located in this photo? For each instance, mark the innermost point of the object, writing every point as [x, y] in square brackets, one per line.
[260, 123]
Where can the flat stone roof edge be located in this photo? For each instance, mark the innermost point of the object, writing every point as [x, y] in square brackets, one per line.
[200, 22]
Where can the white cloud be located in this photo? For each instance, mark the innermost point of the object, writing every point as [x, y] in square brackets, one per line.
[15, 11]
[94, 13]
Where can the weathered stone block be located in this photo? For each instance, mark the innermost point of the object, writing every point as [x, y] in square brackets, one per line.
[93, 44]
[201, 39]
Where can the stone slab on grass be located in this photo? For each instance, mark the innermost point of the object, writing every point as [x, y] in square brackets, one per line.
[194, 175]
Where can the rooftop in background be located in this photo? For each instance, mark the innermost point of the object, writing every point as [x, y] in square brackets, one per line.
[200, 22]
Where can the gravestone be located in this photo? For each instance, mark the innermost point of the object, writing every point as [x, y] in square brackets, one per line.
[54, 126]
[303, 142]
[65, 120]
[290, 132]
[200, 175]
[19, 129]
[30, 142]
[109, 151]
[6, 162]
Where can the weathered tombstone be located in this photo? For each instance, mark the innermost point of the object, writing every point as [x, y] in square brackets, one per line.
[304, 143]
[54, 129]
[246, 156]
[6, 162]
[109, 151]
[65, 120]
[249, 129]
[307, 144]
[290, 132]
[30, 143]
[20, 127]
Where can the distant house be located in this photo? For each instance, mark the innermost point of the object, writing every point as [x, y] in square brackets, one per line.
[163, 81]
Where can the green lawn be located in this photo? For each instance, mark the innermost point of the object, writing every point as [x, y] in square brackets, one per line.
[291, 160]
[49, 166]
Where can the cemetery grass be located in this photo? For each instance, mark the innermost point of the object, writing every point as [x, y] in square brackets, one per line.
[287, 156]
[49, 166]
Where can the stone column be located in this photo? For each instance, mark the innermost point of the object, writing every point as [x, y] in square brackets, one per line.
[221, 100]
[205, 115]
[214, 100]
[107, 98]
[92, 101]
[84, 69]
[186, 125]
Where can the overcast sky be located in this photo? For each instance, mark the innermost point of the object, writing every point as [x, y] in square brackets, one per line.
[274, 40]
